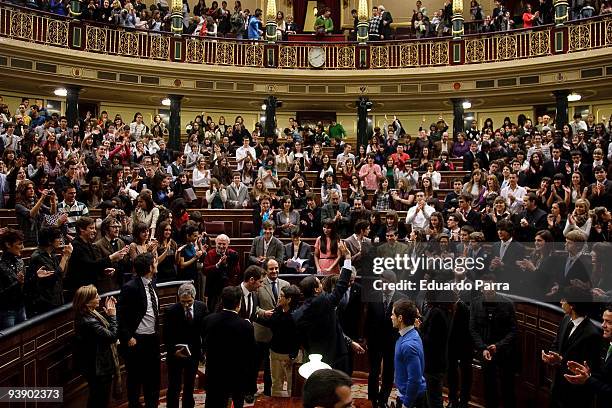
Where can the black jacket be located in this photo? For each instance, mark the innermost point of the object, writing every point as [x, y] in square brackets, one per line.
[229, 344]
[378, 329]
[583, 345]
[284, 333]
[495, 323]
[131, 308]
[93, 355]
[46, 293]
[317, 324]
[601, 384]
[85, 265]
[11, 291]
[177, 330]
[434, 333]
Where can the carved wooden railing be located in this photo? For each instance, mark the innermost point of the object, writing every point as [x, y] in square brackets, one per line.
[43, 28]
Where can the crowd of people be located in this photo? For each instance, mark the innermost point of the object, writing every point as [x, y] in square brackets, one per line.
[221, 21]
[527, 187]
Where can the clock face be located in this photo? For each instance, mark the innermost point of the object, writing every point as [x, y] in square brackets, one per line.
[316, 57]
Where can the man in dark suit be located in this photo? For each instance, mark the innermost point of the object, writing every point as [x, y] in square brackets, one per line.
[470, 157]
[556, 165]
[381, 337]
[183, 324]
[600, 382]
[385, 24]
[599, 193]
[530, 221]
[107, 245]
[577, 165]
[266, 246]
[577, 340]
[138, 316]
[577, 264]
[229, 344]
[494, 332]
[298, 249]
[316, 320]
[86, 266]
[505, 254]
[222, 268]
[468, 214]
[337, 212]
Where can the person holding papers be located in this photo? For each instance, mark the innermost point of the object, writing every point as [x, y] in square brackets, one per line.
[183, 330]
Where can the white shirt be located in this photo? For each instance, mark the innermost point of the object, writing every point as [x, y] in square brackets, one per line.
[147, 324]
[241, 153]
[576, 323]
[245, 295]
[419, 220]
[518, 193]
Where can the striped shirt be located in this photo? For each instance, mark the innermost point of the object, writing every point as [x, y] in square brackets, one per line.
[74, 211]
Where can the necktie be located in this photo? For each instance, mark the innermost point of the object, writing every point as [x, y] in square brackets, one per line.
[274, 291]
[568, 265]
[502, 249]
[386, 302]
[556, 164]
[249, 305]
[154, 304]
[609, 352]
[189, 315]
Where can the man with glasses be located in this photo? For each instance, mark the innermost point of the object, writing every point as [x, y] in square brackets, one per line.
[107, 245]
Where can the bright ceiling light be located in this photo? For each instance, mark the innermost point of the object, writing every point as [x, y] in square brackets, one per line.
[166, 101]
[467, 104]
[574, 97]
[263, 106]
[61, 92]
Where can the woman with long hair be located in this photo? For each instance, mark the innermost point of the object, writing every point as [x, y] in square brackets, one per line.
[436, 226]
[541, 267]
[498, 212]
[201, 174]
[326, 169]
[166, 251]
[427, 187]
[299, 192]
[491, 187]
[258, 191]
[295, 172]
[222, 171]
[146, 211]
[355, 190]
[534, 174]
[141, 243]
[475, 186]
[556, 220]
[92, 197]
[327, 254]
[248, 174]
[600, 230]
[267, 172]
[216, 196]
[281, 160]
[30, 210]
[38, 166]
[52, 167]
[299, 155]
[329, 184]
[579, 218]
[96, 337]
[316, 158]
[382, 196]
[348, 171]
[577, 188]
[403, 196]
[287, 220]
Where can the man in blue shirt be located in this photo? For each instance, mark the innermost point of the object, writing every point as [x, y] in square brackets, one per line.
[409, 356]
[255, 30]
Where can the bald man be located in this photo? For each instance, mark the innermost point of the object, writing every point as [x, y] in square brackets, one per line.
[222, 268]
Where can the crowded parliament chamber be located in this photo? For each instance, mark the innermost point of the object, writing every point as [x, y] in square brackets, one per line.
[306, 203]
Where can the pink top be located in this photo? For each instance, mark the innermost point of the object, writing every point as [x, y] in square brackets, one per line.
[370, 175]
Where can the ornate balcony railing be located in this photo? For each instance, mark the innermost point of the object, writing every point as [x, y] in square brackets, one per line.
[44, 28]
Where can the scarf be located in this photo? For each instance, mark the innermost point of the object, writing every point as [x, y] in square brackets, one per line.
[117, 391]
